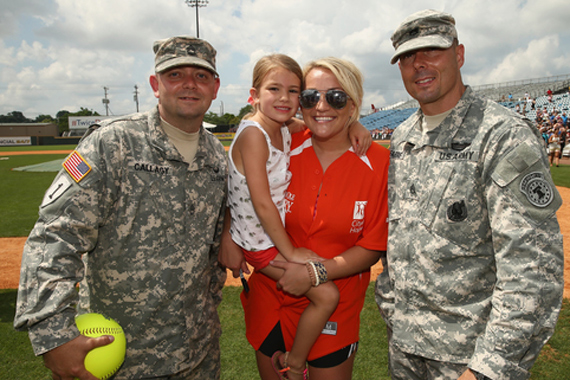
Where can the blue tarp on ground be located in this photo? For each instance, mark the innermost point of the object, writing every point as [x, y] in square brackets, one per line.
[50, 166]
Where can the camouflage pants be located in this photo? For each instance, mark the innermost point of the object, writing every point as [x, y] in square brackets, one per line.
[404, 366]
[209, 368]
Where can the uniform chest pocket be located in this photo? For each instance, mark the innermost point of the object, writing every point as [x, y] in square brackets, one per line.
[157, 203]
[454, 208]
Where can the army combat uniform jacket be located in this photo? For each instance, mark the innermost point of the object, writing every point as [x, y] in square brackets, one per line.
[139, 229]
[475, 259]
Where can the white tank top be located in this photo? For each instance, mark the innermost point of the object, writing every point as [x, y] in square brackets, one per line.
[246, 229]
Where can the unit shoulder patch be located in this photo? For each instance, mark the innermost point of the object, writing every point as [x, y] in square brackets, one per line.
[537, 189]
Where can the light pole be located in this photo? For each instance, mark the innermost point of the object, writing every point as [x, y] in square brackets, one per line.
[197, 4]
[106, 101]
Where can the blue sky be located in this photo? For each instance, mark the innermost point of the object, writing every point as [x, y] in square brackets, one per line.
[59, 54]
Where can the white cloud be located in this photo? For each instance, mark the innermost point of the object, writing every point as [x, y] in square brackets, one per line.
[532, 61]
[59, 54]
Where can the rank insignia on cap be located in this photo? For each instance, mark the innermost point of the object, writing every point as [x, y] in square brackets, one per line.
[76, 166]
[537, 189]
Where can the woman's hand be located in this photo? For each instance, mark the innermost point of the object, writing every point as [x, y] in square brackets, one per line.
[303, 255]
[295, 279]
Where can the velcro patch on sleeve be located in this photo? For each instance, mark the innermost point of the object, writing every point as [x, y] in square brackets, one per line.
[57, 188]
[76, 166]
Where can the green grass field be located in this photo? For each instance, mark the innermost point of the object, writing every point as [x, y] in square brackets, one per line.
[21, 194]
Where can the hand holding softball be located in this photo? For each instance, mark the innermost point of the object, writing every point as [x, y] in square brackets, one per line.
[103, 361]
[67, 361]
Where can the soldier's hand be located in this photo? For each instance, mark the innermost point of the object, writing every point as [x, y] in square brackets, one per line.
[66, 362]
[231, 257]
[467, 375]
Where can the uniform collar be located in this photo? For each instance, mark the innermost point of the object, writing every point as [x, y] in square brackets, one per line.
[205, 155]
[454, 124]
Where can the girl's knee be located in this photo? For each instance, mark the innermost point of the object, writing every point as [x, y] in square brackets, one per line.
[330, 293]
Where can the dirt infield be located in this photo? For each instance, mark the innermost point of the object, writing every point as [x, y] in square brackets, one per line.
[11, 252]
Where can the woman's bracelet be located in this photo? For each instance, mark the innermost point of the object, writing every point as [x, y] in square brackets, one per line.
[322, 275]
[312, 273]
[317, 272]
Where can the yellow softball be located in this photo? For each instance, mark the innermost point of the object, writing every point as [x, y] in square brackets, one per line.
[103, 361]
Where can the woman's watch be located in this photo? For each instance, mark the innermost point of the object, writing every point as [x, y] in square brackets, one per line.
[478, 375]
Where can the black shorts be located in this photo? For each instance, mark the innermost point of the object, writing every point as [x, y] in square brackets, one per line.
[275, 342]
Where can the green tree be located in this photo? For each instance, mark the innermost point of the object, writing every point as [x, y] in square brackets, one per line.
[212, 118]
[45, 119]
[244, 111]
[14, 117]
[62, 121]
[227, 118]
[63, 117]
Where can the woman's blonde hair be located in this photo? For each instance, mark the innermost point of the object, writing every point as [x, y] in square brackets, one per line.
[268, 63]
[349, 77]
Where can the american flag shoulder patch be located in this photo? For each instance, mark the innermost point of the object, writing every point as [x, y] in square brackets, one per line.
[76, 166]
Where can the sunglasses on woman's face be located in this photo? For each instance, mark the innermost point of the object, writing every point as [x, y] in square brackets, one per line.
[337, 99]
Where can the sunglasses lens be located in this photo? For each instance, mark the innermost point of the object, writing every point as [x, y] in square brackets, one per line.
[309, 98]
[337, 99]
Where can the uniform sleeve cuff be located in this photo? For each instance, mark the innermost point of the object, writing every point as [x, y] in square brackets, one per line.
[53, 332]
[494, 366]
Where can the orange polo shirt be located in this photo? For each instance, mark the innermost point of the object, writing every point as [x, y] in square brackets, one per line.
[328, 213]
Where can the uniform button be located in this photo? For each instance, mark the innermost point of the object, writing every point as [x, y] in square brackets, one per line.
[314, 187]
[317, 171]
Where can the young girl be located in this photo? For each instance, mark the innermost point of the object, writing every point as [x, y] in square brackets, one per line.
[258, 180]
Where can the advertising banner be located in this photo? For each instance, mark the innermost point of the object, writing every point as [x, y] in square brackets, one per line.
[13, 141]
[83, 122]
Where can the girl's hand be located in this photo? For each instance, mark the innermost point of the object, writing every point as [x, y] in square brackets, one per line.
[295, 125]
[360, 138]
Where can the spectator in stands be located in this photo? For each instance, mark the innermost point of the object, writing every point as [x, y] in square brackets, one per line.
[554, 145]
[545, 132]
[562, 132]
[553, 116]
[473, 279]
[549, 95]
[529, 103]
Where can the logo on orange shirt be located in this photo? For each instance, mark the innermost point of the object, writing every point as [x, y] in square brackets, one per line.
[358, 217]
[359, 207]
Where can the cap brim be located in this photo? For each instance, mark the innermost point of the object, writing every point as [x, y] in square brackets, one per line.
[184, 61]
[433, 41]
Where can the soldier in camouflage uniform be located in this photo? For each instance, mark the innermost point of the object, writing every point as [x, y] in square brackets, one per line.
[472, 285]
[135, 217]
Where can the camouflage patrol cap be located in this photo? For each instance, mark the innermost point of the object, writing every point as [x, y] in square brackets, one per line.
[424, 29]
[184, 51]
